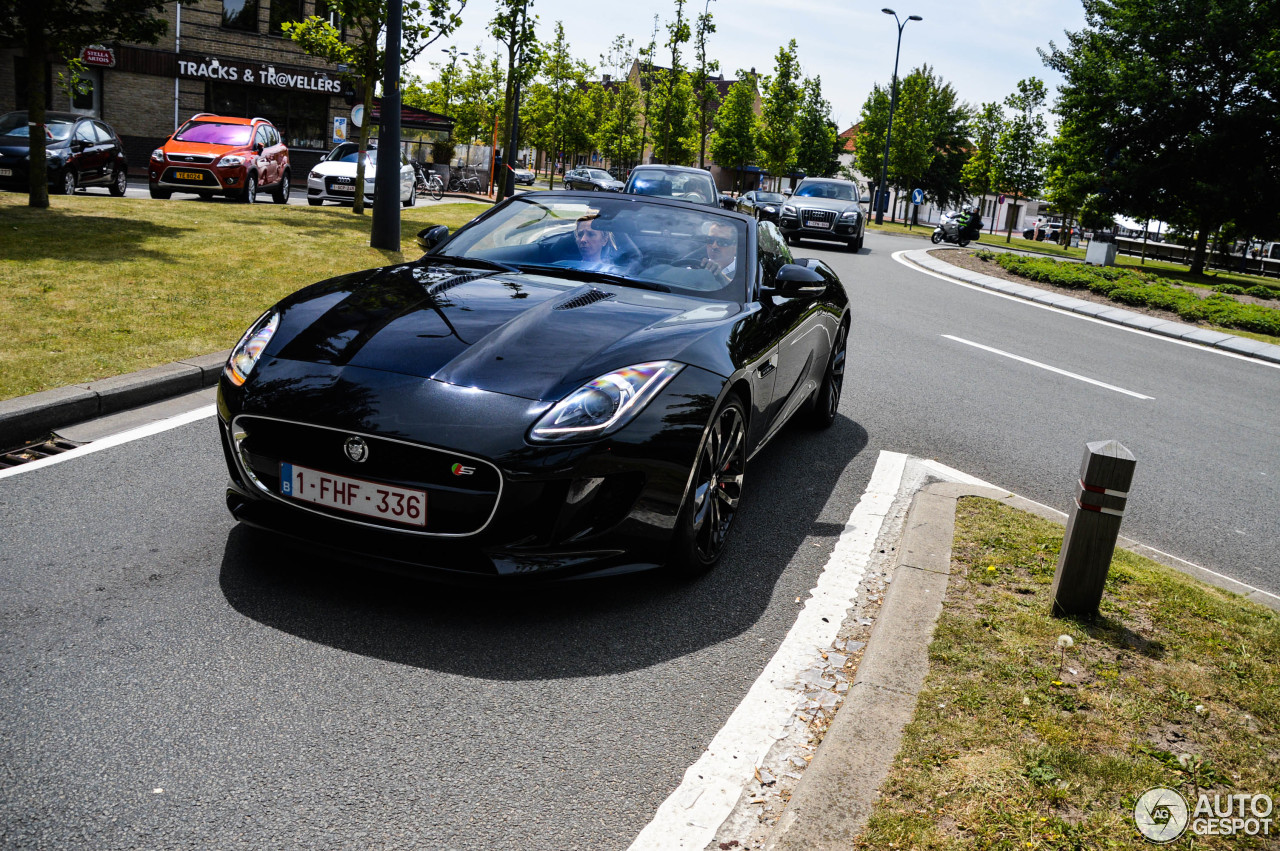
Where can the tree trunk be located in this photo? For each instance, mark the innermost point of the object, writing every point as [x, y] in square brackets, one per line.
[1202, 240]
[366, 126]
[38, 183]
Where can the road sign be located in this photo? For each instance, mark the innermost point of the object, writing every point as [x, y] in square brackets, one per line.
[917, 197]
[357, 114]
[1001, 200]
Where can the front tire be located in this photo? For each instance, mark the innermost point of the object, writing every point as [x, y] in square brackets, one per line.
[711, 505]
[161, 194]
[411, 200]
[119, 183]
[936, 238]
[826, 399]
[67, 185]
[250, 193]
[963, 242]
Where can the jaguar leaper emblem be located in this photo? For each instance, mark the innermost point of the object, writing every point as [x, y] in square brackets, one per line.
[357, 450]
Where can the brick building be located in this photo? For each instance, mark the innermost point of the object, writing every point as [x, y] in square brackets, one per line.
[223, 56]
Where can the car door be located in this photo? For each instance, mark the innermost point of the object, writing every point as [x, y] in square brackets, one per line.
[801, 325]
[112, 150]
[266, 168]
[86, 154]
[279, 152]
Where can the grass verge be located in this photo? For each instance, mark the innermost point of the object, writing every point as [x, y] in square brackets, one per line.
[96, 286]
[1018, 744]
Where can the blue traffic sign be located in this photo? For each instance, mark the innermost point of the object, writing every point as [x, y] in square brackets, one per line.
[917, 196]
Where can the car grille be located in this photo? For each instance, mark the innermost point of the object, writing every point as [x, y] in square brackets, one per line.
[189, 158]
[190, 177]
[462, 491]
[340, 185]
[821, 218]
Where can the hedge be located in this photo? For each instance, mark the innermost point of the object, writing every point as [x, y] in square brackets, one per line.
[1140, 289]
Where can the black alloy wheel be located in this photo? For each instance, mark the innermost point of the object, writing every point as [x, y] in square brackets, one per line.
[281, 193]
[250, 193]
[712, 502]
[119, 182]
[826, 399]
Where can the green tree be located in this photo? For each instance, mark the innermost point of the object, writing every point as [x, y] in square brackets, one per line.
[735, 128]
[868, 145]
[978, 174]
[478, 97]
[560, 97]
[1020, 148]
[779, 136]
[513, 27]
[817, 133]
[705, 94]
[362, 49]
[615, 109]
[45, 29]
[1174, 103]
[673, 98]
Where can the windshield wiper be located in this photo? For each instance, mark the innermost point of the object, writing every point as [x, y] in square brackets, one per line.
[471, 262]
[591, 275]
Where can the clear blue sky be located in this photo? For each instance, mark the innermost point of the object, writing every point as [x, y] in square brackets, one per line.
[982, 47]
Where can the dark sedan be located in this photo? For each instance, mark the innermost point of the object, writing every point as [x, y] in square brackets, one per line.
[571, 384]
[79, 152]
[591, 180]
[825, 208]
[766, 206]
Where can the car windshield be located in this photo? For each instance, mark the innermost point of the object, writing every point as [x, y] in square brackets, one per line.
[626, 240]
[833, 191]
[350, 153]
[13, 128]
[598, 174]
[768, 198]
[215, 133]
[686, 186]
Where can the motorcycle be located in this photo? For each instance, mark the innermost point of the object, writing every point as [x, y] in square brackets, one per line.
[949, 231]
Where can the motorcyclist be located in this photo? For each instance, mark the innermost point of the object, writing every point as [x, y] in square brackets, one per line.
[969, 222]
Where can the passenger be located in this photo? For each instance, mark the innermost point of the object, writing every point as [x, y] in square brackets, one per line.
[598, 249]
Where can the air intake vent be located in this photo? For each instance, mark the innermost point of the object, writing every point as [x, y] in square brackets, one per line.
[590, 297]
[450, 283]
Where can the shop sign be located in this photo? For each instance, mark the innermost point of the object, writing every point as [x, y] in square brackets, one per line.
[258, 74]
[98, 56]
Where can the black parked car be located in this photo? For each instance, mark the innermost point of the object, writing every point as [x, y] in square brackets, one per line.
[571, 384]
[79, 152]
[766, 206]
[591, 180]
[825, 208]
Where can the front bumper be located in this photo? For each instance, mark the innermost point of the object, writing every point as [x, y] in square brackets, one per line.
[841, 229]
[181, 177]
[559, 511]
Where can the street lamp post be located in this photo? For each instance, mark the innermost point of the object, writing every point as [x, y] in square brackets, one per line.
[893, 102]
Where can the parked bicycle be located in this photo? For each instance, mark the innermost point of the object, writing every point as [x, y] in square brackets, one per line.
[427, 182]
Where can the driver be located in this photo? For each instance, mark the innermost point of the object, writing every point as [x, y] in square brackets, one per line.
[722, 251]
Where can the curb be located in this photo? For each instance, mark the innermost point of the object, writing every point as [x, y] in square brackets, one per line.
[1118, 315]
[836, 794]
[30, 418]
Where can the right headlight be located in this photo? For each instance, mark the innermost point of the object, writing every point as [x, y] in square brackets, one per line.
[230, 161]
[788, 210]
[244, 357]
[604, 404]
[157, 156]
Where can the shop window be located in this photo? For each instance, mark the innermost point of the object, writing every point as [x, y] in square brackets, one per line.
[88, 101]
[283, 12]
[300, 117]
[240, 15]
[325, 12]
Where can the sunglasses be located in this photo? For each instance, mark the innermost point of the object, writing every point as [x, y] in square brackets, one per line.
[722, 241]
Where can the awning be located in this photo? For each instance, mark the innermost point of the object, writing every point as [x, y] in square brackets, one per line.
[415, 119]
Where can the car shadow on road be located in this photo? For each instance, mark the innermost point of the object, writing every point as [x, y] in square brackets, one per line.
[569, 629]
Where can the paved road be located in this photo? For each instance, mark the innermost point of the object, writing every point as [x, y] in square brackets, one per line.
[173, 681]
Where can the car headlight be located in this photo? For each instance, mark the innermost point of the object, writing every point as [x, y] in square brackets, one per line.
[246, 353]
[788, 210]
[230, 161]
[605, 404]
[157, 156]
[849, 214]
[771, 209]
[315, 175]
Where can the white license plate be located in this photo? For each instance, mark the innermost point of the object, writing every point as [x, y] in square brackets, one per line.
[387, 502]
[813, 224]
[6, 172]
[339, 187]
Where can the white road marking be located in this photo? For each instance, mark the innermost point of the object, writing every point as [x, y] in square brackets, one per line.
[690, 815]
[901, 258]
[114, 440]
[1046, 366]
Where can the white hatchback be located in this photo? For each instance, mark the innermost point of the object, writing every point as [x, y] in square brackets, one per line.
[334, 177]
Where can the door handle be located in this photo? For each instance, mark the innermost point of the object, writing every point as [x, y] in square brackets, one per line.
[767, 367]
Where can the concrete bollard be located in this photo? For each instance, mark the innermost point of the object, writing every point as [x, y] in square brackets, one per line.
[1093, 525]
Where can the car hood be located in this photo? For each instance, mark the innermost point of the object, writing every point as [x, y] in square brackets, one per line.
[821, 203]
[204, 149]
[332, 168]
[522, 335]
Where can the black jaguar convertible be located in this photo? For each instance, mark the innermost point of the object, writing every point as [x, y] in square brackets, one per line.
[571, 384]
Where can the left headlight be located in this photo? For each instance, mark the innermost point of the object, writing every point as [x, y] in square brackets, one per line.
[850, 214]
[605, 404]
[230, 161]
[246, 353]
[788, 210]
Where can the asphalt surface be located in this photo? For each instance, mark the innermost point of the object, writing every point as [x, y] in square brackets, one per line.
[281, 701]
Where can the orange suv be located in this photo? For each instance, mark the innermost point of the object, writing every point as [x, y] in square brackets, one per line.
[219, 155]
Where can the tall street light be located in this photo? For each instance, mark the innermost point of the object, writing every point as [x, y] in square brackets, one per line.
[893, 102]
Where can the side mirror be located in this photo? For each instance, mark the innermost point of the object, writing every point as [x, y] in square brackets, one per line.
[787, 192]
[796, 280]
[257, 148]
[431, 236]
[78, 145]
